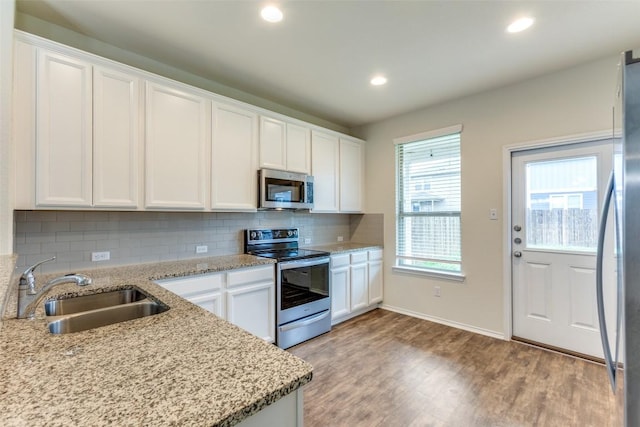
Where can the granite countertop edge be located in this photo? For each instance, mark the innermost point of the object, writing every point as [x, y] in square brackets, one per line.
[249, 371]
[344, 247]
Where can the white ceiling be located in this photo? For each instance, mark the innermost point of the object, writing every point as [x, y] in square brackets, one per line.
[320, 58]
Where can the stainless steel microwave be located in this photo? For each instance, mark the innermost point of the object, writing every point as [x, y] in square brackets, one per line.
[284, 190]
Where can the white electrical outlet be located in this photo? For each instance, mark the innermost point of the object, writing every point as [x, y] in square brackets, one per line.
[100, 256]
[307, 241]
[436, 291]
[340, 239]
[202, 249]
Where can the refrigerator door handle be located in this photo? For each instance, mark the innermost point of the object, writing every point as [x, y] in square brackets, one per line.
[611, 364]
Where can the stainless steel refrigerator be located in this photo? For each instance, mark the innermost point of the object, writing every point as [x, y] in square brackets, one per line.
[624, 194]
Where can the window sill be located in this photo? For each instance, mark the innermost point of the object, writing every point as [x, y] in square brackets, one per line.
[456, 277]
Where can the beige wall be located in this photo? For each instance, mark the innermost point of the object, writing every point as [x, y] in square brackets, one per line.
[568, 102]
[7, 10]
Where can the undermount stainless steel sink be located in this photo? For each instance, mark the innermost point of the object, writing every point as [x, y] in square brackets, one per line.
[57, 307]
[86, 312]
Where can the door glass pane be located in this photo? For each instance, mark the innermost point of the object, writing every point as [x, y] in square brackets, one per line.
[562, 204]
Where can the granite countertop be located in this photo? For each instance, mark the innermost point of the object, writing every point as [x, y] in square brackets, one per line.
[344, 247]
[185, 366]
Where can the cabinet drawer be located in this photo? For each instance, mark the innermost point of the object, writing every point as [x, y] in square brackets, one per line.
[358, 257]
[250, 275]
[375, 255]
[192, 285]
[340, 260]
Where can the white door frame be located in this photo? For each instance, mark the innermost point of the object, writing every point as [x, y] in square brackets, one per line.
[507, 152]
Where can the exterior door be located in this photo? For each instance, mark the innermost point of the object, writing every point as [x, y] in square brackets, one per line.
[556, 204]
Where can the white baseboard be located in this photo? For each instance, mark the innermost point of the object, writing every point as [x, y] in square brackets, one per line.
[469, 328]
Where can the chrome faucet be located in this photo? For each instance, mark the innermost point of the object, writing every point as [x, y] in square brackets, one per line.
[29, 298]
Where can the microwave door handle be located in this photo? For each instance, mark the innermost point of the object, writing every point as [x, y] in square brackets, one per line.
[610, 363]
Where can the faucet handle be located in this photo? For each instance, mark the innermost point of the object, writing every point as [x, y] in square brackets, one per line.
[27, 278]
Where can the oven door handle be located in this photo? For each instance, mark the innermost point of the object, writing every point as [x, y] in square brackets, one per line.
[304, 322]
[286, 265]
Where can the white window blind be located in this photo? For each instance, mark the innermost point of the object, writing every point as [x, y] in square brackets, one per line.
[428, 202]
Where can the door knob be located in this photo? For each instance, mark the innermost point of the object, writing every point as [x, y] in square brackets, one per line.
[517, 254]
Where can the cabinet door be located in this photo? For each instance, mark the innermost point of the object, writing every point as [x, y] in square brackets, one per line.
[211, 302]
[351, 176]
[359, 286]
[298, 149]
[25, 61]
[324, 167]
[253, 309]
[203, 290]
[234, 179]
[63, 131]
[116, 138]
[375, 282]
[273, 143]
[340, 301]
[177, 137]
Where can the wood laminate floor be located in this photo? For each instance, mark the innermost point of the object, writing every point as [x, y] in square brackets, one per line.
[387, 369]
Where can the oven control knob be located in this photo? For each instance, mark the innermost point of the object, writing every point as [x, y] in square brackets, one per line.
[253, 235]
[289, 233]
[295, 233]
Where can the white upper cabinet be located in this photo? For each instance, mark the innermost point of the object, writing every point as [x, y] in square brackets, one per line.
[298, 148]
[234, 158]
[116, 138]
[63, 131]
[24, 123]
[273, 143]
[93, 133]
[284, 146]
[177, 137]
[351, 176]
[325, 169]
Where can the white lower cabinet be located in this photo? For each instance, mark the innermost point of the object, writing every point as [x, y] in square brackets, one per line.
[203, 290]
[374, 273]
[359, 281]
[356, 283]
[340, 286]
[244, 297]
[251, 301]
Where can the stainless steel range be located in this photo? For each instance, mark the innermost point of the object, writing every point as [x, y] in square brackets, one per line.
[303, 303]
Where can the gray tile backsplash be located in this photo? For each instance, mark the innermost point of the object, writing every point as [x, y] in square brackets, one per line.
[138, 237]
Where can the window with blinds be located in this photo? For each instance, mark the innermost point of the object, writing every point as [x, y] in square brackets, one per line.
[428, 201]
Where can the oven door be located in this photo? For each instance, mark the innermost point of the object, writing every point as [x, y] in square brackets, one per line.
[302, 288]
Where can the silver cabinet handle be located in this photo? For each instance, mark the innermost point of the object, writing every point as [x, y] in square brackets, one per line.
[517, 254]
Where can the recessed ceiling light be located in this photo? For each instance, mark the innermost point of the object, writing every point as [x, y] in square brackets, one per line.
[378, 80]
[271, 14]
[520, 24]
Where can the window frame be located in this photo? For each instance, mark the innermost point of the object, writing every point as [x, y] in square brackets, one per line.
[422, 271]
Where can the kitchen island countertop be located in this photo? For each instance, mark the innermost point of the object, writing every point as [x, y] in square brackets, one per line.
[185, 366]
